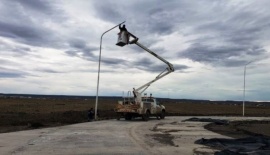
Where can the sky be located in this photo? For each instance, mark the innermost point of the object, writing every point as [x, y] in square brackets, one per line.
[52, 47]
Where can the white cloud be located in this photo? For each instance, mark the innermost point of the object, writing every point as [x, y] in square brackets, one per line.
[53, 48]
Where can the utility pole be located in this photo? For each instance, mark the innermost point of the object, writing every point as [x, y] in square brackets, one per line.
[99, 66]
[244, 90]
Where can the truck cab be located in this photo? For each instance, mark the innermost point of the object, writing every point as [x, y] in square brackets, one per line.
[152, 104]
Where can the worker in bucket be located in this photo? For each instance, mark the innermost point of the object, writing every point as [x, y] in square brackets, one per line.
[123, 36]
[123, 28]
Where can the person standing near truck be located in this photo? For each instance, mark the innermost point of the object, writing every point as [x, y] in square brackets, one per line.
[90, 115]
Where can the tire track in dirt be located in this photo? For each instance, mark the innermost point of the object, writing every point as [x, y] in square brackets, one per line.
[138, 141]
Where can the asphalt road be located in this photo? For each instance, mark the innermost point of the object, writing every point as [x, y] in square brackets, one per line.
[169, 136]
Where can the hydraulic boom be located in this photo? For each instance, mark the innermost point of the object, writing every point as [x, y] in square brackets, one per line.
[124, 39]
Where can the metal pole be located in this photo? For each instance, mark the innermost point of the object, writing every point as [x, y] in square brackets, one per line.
[99, 66]
[244, 91]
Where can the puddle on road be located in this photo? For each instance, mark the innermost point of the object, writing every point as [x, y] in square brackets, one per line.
[166, 139]
[164, 136]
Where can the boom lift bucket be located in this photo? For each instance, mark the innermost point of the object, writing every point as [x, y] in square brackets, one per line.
[122, 38]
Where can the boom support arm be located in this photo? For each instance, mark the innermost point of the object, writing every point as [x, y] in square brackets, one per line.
[167, 71]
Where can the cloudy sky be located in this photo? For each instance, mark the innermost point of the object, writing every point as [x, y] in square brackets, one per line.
[52, 47]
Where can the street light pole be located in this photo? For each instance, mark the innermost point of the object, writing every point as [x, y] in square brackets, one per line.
[244, 90]
[99, 66]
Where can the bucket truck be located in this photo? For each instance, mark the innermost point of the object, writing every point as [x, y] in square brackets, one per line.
[138, 105]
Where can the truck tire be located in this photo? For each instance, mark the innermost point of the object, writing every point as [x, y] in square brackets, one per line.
[128, 117]
[162, 115]
[146, 116]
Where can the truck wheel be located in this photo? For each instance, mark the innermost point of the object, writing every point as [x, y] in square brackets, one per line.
[146, 116]
[128, 117]
[162, 115]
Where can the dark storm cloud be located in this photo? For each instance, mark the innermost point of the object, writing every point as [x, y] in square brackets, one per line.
[223, 29]
[24, 21]
[38, 5]
[15, 50]
[227, 39]
[72, 53]
[82, 53]
[47, 70]
[162, 28]
[234, 32]
[5, 62]
[146, 16]
[10, 73]
[147, 65]
[87, 55]
[111, 11]
[79, 48]
[205, 53]
[221, 55]
[113, 61]
[77, 43]
[143, 62]
[160, 21]
[24, 33]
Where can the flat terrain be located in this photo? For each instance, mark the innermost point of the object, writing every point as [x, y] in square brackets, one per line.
[172, 135]
[31, 113]
[50, 117]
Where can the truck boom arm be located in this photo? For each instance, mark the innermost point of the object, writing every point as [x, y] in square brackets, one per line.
[167, 71]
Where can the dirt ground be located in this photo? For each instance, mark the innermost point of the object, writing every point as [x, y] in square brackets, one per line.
[30, 113]
[241, 129]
